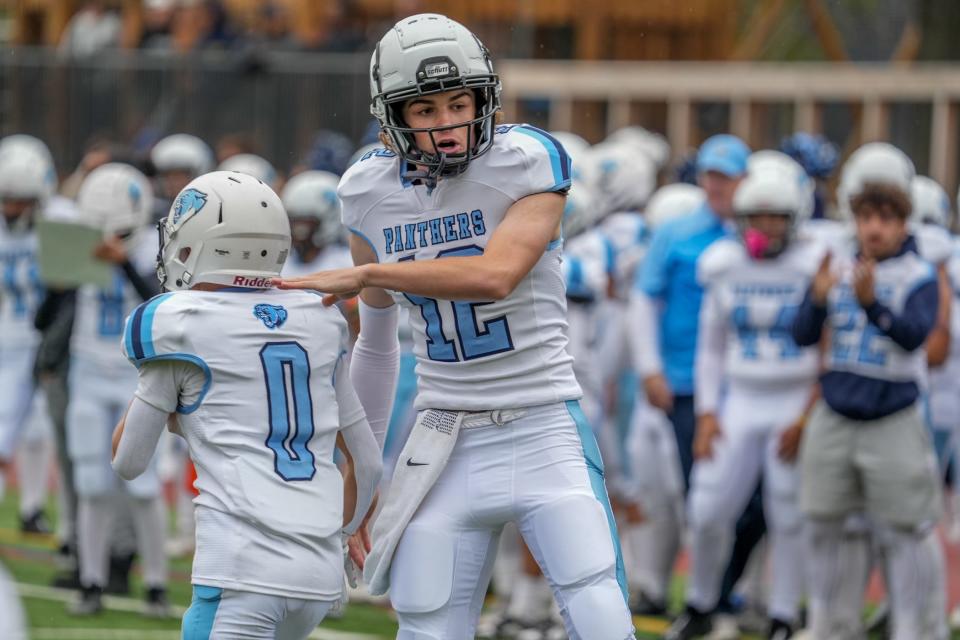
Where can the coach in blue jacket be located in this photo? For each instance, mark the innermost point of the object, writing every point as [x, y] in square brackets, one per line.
[668, 282]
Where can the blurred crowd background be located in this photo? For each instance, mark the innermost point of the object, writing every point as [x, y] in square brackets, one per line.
[268, 75]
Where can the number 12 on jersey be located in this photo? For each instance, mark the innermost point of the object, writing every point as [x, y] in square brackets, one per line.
[286, 369]
[476, 341]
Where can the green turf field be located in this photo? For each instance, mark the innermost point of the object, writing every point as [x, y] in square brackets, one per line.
[31, 561]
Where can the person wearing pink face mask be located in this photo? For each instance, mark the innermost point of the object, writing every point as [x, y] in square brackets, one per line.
[754, 388]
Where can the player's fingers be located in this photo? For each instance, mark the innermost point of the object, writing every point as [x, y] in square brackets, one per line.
[825, 262]
[331, 299]
[365, 537]
[356, 557]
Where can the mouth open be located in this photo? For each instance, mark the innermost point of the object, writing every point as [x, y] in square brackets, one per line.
[449, 146]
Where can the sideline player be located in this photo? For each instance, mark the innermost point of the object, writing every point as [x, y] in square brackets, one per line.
[116, 199]
[27, 181]
[500, 436]
[257, 383]
[880, 303]
[755, 387]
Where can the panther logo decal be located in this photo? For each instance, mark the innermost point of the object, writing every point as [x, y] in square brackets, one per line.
[271, 315]
[189, 202]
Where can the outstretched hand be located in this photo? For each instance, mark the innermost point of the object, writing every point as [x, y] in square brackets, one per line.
[337, 284]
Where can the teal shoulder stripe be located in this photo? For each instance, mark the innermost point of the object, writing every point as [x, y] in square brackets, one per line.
[146, 325]
[559, 160]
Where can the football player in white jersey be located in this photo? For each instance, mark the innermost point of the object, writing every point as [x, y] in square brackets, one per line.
[754, 389]
[462, 223]
[880, 302]
[115, 198]
[27, 181]
[311, 201]
[256, 380]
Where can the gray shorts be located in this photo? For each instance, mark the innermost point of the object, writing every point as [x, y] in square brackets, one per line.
[885, 467]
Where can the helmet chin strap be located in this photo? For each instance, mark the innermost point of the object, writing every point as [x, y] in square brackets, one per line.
[428, 176]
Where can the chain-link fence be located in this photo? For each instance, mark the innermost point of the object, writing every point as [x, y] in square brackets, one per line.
[279, 99]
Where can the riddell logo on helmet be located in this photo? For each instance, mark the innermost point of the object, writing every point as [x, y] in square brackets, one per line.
[244, 281]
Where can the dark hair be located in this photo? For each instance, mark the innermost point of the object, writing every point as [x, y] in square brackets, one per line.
[882, 197]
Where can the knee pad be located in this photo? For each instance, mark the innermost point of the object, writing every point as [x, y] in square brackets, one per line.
[574, 539]
[597, 612]
[421, 575]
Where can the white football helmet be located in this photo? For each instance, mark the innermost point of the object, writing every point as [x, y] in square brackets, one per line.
[873, 163]
[579, 212]
[636, 138]
[624, 179]
[931, 205]
[22, 141]
[252, 165]
[426, 54]
[224, 228]
[313, 194]
[769, 190]
[672, 201]
[182, 152]
[26, 169]
[770, 159]
[115, 198]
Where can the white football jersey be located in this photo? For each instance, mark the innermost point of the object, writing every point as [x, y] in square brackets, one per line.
[100, 312]
[755, 302]
[473, 355]
[629, 235]
[262, 433]
[944, 382]
[21, 290]
[335, 256]
[857, 346]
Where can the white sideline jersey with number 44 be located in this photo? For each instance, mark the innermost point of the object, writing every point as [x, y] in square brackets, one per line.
[261, 433]
[755, 301]
[472, 355]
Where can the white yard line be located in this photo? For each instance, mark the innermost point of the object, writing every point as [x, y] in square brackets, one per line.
[116, 603]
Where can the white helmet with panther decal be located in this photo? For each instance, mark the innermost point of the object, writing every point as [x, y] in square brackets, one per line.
[115, 198]
[426, 54]
[223, 228]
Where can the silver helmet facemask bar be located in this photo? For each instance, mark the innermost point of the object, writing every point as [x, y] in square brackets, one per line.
[480, 130]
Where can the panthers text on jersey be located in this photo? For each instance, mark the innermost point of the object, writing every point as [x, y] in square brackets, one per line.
[261, 433]
[472, 354]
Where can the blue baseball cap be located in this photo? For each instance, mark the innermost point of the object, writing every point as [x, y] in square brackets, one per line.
[724, 153]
